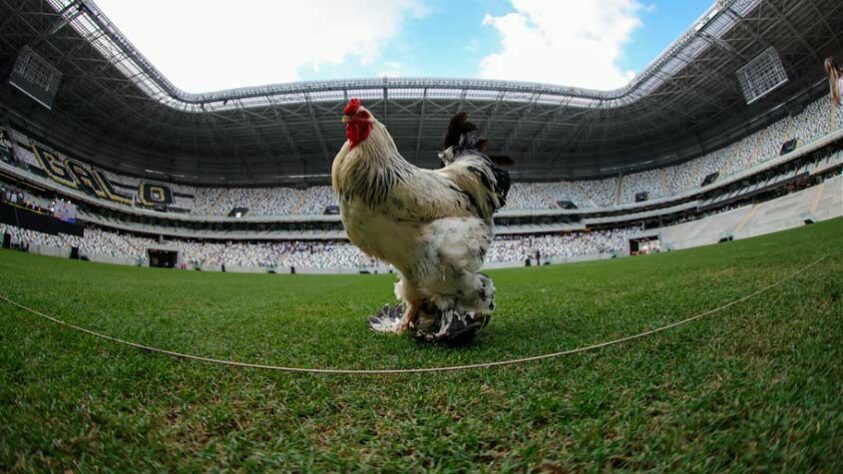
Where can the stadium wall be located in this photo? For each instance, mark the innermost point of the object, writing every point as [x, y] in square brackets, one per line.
[92, 257]
[818, 203]
[48, 251]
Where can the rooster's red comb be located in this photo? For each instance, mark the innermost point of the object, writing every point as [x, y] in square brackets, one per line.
[352, 107]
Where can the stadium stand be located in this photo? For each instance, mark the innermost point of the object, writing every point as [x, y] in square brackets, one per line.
[528, 196]
[264, 201]
[309, 254]
[684, 176]
[315, 200]
[812, 122]
[26, 157]
[817, 203]
[815, 121]
[26, 238]
[645, 182]
[112, 244]
[553, 248]
[600, 191]
[569, 191]
[721, 215]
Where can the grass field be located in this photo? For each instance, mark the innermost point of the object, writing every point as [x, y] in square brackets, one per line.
[756, 387]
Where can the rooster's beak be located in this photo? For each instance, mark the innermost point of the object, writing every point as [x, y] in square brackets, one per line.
[346, 119]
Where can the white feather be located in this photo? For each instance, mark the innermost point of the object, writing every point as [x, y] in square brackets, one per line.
[434, 226]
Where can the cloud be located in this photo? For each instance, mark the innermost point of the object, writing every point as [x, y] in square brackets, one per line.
[391, 69]
[572, 43]
[208, 45]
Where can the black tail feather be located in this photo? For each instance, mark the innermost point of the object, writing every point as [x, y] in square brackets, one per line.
[502, 160]
[462, 137]
[504, 183]
[457, 127]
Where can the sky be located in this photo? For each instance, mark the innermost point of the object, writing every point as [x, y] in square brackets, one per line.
[210, 45]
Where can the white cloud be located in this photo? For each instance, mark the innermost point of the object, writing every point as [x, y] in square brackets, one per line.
[392, 69]
[573, 43]
[207, 45]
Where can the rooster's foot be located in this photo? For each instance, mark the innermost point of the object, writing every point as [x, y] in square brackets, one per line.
[449, 326]
[388, 320]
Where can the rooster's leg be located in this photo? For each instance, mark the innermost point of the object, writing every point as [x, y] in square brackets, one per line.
[409, 317]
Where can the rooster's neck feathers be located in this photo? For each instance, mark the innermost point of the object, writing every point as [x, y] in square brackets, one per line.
[370, 170]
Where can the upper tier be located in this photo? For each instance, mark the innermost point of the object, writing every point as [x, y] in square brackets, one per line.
[117, 110]
[815, 121]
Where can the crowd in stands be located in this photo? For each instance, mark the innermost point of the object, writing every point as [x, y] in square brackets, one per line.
[816, 120]
[556, 247]
[258, 201]
[115, 245]
[812, 122]
[528, 196]
[600, 191]
[281, 254]
[316, 199]
[770, 142]
[681, 177]
[837, 119]
[263, 201]
[132, 248]
[649, 182]
[567, 191]
[25, 238]
[183, 203]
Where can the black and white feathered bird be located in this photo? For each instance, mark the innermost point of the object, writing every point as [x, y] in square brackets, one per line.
[433, 226]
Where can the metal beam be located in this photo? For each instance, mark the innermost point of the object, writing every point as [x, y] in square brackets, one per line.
[781, 15]
[421, 127]
[318, 129]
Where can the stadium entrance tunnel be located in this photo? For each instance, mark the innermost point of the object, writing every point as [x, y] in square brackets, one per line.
[644, 245]
[163, 258]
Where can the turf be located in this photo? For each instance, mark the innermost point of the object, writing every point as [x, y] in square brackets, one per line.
[756, 387]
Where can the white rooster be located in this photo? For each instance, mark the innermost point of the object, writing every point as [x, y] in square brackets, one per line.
[434, 226]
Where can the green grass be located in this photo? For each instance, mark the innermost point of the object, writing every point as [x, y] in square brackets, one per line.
[756, 387]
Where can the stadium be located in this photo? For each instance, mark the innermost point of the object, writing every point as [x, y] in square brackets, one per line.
[184, 289]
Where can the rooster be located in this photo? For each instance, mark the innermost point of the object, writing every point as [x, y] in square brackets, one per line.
[433, 226]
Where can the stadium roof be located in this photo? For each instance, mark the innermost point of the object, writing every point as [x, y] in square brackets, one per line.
[116, 109]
